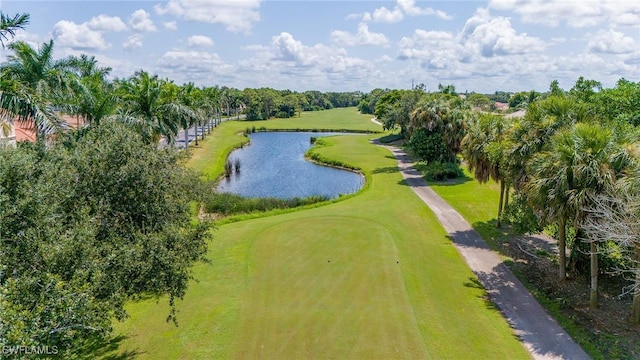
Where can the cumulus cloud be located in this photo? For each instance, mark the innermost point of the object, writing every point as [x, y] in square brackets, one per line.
[362, 37]
[133, 42]
[289, 56]
[387, 16]
[170, 25]
[78, 36]
[402, 8]
[236, 16]
[87, 35]
[140, 20]
[611, 41]
[574, 13]
[200, 40]
[193, 64]
[106, 23]
[490, 36]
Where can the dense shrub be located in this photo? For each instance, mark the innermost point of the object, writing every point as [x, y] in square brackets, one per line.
[428, 146]
[440, 171]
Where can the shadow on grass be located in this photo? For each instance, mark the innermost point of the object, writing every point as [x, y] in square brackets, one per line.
[386, 170]
[390, 138]
[105, 349]
[450, 182]
[493, 235]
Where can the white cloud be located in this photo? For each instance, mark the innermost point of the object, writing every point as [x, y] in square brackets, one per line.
[87, 35]
[362, 37]
[133, 42]
[387, 16]
[574, 13]
[489, 37]
[106, 23]
[291, 62]
[409, 7]
[403, 7]
[140, 20]
[197, 66]
[236, 16]
[170, 25]
[611, 41]
[78, 36]
[200, 40]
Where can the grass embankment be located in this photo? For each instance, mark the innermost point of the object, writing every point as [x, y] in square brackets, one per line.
[478, 204]
[370, 277]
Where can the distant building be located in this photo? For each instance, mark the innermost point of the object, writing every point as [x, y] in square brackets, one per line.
[501, 105]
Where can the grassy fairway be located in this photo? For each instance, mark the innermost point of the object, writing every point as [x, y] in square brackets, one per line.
[370, 277]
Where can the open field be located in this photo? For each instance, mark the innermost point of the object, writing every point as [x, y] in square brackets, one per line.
[371, 277]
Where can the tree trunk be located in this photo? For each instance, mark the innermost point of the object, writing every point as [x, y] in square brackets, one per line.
[196, 134]
[500, 203]
[506, 197]
[593, 293]
[562, 249]
[636, 288]
[186, 137]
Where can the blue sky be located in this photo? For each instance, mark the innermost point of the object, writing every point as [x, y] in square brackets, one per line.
[336, 45]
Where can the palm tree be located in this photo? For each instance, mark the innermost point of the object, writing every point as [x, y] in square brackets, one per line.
[33, 85]
[148, 103]
[95, 98]
[483, 148]
[581, 163]
[8, 26]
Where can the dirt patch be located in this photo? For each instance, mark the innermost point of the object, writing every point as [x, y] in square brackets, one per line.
[608, 328]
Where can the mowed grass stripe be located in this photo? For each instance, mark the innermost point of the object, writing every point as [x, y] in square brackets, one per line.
[395, 287]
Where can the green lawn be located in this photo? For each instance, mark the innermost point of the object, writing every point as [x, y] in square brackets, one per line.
[370, 277]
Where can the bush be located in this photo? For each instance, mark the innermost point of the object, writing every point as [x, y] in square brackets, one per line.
[428, 146]
[440, 171]
[520, 215]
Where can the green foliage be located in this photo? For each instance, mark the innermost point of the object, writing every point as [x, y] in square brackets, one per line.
[438, 171]
[521, 216]
[231, 204]
[428, 146]
[86, 225]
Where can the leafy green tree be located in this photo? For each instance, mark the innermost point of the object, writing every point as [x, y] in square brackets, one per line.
[441, 114]
[84, 227]
[585, 89]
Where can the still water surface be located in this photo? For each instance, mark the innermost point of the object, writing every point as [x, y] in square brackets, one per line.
[274, 166]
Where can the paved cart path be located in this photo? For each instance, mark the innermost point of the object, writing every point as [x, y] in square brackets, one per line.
[539, 332]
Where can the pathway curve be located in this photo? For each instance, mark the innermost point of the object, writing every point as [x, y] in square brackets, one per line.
[539, 332]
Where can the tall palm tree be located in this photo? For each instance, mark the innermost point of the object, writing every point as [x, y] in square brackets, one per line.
[148, 103]
[9, 25]
[33, 85]
[581, 163]
[483, 149]
[95, 99]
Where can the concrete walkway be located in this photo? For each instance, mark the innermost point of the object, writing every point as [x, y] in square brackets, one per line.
[540, 333]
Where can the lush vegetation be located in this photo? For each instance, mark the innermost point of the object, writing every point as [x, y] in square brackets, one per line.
[87, 224]
[349, 279]
[231, 204]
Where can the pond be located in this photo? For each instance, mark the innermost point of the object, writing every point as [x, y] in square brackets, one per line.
[273, 165]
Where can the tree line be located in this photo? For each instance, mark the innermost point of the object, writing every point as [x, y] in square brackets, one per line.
[570, 163]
